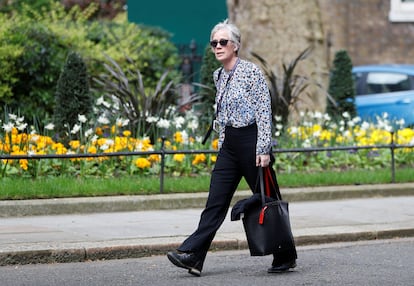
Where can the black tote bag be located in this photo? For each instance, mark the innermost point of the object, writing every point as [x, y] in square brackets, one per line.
[267, 225]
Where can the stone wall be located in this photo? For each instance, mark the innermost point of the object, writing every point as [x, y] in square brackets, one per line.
[278, 30]
[365, 31]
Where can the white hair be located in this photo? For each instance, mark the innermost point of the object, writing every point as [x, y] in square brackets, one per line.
[234, 32]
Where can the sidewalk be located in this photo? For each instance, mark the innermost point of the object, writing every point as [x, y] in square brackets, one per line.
[69, 230]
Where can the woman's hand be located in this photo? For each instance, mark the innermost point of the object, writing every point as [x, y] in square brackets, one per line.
[262, 160]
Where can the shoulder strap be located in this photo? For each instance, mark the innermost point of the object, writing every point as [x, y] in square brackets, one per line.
[210, 129]
[219, 74]
[218, 77]
[208, 133]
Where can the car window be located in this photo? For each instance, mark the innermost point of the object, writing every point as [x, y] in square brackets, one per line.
[358, 83]
[381, 82]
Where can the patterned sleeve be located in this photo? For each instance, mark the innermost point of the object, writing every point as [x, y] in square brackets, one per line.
[263, 113]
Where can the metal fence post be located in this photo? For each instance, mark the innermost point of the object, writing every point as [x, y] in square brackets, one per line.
[392, 158]
[163, 138]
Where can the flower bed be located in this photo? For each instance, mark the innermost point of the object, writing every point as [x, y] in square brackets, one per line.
[313, 130]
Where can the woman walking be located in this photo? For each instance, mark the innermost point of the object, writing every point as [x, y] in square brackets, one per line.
[243, 118]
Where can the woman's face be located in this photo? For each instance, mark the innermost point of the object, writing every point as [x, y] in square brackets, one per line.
[223, 53]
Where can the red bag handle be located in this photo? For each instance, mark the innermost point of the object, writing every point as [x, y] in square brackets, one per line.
[269, 179]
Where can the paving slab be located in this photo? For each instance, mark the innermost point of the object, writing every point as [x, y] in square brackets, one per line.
[127, 234]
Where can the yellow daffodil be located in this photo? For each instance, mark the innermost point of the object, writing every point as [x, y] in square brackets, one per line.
[179, 157]
[142, 163]
[178, 137]
[199, 158]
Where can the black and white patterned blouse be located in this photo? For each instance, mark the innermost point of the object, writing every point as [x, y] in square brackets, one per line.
[242, 100]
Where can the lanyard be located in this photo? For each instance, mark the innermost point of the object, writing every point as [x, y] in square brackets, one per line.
[226, 87]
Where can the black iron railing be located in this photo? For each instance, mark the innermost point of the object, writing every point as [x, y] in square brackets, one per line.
[163, 152]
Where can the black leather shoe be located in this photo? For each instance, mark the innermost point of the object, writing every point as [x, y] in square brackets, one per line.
[188, 261]
[282, 267]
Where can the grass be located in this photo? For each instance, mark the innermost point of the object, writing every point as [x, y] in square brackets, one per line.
[59, 187]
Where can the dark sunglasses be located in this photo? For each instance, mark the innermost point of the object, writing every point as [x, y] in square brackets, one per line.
[222, 42]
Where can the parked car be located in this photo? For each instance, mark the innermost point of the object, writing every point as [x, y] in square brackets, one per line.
[385, 89]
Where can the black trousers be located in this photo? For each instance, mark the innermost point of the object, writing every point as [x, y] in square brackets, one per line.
[236, 159]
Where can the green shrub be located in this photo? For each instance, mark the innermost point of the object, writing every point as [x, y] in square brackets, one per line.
[106, 9]
[72, 95]
[10, 51]
[35, 43]
[18, 6]
[341, 87]
[38, 68]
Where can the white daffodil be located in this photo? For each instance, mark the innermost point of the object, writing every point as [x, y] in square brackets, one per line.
[401, 123]
[365, 125]
[75, 129]
[104, 147]
[278, 118]
[110, 142]
[152, 119]
[389, 128]
[178, 122]
[88, 132]
[193, 125]
[49, 126]
[20, 119]
[307, 124]
[356, 119]
[8, 127]
[100, 100]
[163, 123]
[82, 118]
[306, 143]
[294, 130]
[122, 122]
[103, 120]
[317, 115]
[21, 126]
[316, 134]
[138, 147]
[185, 136]
[12, 117]
[34, 138]
[346, 115]
[125, 122]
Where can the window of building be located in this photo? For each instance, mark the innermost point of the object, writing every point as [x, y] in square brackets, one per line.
[402, 11]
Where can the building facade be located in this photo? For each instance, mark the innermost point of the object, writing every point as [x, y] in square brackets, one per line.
[372, 31]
